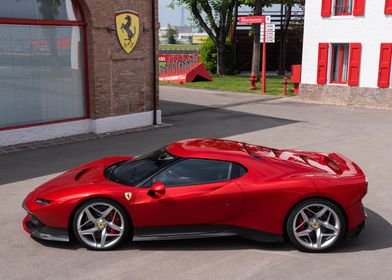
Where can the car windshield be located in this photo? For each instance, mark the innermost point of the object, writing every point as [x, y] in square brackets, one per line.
[136, 171]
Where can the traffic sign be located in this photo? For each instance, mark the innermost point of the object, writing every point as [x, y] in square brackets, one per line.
[265, 22]
[269, 33]
[269, 40]
[269, 28]
[254, 19]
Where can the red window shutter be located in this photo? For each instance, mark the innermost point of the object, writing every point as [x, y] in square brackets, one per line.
[322, 63]
[354, 64]
[359, 8]
[326, 8]
[388, 7]
[384, 72]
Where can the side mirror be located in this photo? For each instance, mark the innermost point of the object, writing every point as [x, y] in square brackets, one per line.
[157, 190]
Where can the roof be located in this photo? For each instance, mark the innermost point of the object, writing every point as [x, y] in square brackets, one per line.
[204, 147]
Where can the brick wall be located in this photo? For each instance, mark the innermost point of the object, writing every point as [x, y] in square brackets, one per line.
[345, 95]
[119, 83]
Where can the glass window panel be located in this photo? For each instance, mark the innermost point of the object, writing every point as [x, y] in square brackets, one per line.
[195, 171]
[345, 63]
[343, 7]
[335, 63]
[41, 74]
[340, 56]
[39, 9]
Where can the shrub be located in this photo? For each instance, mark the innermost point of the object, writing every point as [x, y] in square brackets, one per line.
[208, 55]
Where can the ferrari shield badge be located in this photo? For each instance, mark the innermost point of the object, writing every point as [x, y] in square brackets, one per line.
[128, 195]
[127, 27]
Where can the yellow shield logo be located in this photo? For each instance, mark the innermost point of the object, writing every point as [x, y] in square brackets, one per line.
[127, 27]
[128, 195]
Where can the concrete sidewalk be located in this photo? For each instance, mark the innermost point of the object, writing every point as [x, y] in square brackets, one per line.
[363, 135]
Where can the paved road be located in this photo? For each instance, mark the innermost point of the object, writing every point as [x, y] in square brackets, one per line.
[362, 134]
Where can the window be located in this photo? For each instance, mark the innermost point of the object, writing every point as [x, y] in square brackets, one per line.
[339, 63]
[199, 171]
[39, 10]
[42, 71]
[136, 171]
[343, 7]
[345, 63]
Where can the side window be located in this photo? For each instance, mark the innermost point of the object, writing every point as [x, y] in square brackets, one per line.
[196, 171]
[237, 171]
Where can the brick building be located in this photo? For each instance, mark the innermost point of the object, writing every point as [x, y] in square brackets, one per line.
[347, 52]
[70, 67]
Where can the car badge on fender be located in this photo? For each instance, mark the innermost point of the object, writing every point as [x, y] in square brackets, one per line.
[128, 195]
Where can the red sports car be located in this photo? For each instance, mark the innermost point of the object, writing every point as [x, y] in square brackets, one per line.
[203, 188]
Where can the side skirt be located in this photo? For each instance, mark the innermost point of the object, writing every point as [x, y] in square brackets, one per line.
[195, 231]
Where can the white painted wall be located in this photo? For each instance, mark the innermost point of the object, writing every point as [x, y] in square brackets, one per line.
[99, 126]
[370, 30]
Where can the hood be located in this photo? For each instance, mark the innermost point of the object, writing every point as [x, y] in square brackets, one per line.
[88, 174]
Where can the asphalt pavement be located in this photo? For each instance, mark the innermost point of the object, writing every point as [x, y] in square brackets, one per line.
[364, 135]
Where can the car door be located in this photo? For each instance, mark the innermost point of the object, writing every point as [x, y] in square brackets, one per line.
[201, 197]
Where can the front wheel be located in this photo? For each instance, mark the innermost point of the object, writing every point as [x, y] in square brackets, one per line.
[101, 224]
[316, 225]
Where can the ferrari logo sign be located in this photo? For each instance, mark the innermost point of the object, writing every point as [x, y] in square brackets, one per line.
[127, 27]
[128, 196]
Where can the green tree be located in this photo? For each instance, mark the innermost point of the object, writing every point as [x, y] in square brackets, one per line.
[216, 18]
[171, 34]
[257, 6]
[286, 10]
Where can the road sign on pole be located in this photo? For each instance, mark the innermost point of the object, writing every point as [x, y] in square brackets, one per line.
[254, 19]
[270, 33]
[265, 22]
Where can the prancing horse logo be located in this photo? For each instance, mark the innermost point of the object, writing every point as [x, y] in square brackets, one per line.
[128, 195]
[127, 27]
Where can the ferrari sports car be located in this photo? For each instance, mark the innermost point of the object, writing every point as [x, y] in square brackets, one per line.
[203, 188]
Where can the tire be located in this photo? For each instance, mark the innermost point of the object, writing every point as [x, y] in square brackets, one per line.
[101, 224]
[316, 225]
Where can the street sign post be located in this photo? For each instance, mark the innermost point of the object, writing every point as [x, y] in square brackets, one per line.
[264, 21]
[254, 19]
[270, 33]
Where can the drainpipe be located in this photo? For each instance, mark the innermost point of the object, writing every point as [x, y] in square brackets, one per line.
[154, 62]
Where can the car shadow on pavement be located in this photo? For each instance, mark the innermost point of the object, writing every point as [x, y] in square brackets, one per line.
[376, 236]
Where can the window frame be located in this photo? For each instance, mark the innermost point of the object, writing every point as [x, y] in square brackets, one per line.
[345, 6]
[148, 182]
[341, 58]
[60, 23]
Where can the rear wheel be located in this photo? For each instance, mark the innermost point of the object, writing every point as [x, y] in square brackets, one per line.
[101, 224]
[316, 225]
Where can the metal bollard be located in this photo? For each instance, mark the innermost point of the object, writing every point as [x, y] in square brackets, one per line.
[285, 85]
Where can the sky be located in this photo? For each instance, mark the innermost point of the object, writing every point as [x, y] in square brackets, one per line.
[167, 15]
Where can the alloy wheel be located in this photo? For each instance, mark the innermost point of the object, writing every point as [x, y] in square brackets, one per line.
[100, 225]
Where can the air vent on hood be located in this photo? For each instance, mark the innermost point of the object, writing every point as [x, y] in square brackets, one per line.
[81, 173]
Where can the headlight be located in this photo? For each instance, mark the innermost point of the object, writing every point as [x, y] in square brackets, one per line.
[43, 201]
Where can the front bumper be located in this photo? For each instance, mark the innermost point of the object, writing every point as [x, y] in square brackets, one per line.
[37, 229]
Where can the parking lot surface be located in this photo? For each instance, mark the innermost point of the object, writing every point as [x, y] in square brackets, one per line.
[364, 135]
